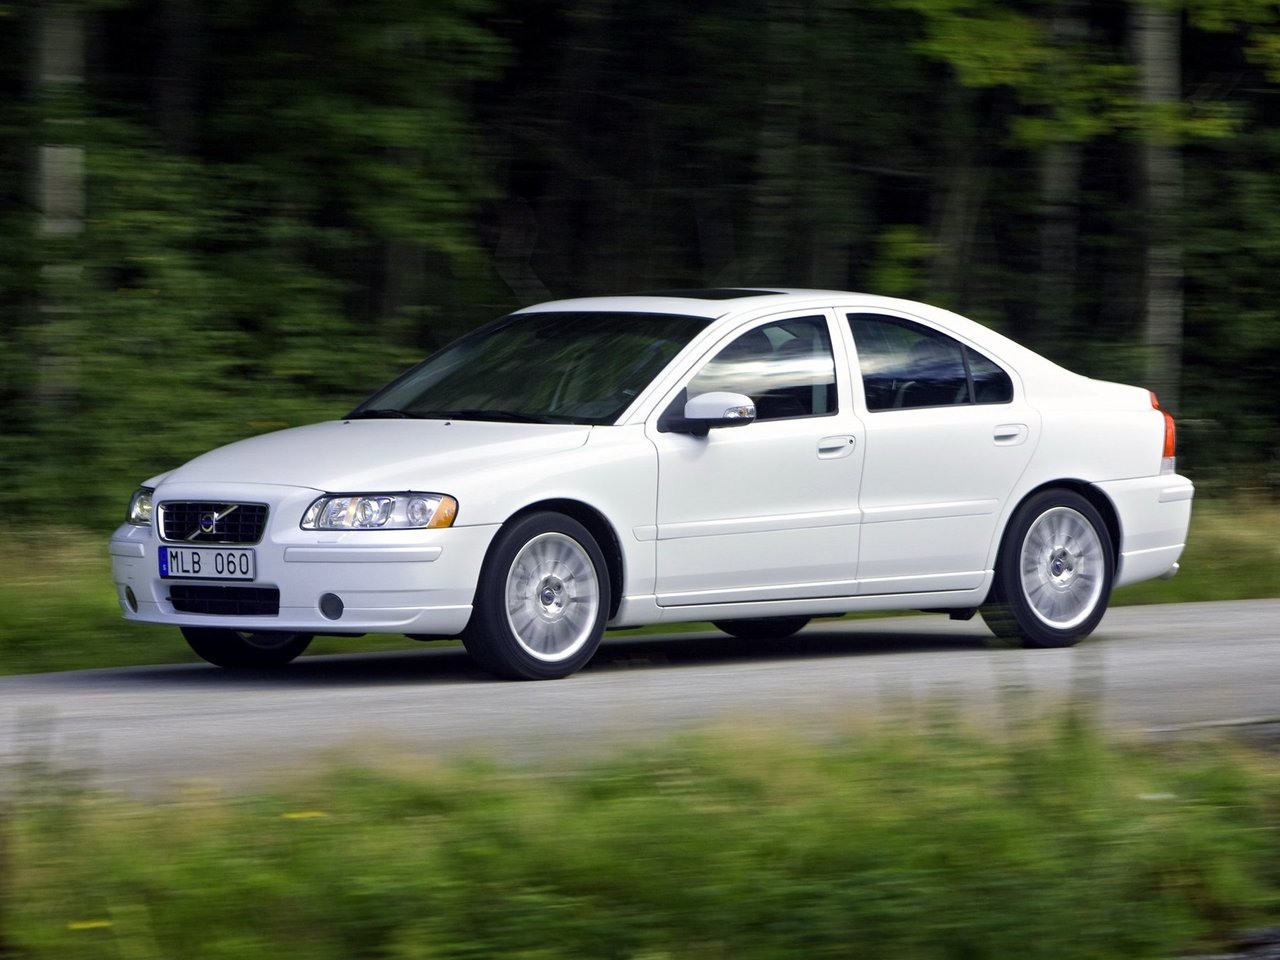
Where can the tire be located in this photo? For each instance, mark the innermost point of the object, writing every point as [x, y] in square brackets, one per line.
[239, 648]
[764, 628]
[542, 601]
[1054, 573]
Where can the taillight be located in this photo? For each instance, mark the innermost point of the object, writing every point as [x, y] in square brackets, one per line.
[1168, 457]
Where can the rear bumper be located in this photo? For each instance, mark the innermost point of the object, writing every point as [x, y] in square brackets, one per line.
[1155, 513]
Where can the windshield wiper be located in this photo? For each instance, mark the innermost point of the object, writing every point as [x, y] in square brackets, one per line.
[385, 413]
[504, 416]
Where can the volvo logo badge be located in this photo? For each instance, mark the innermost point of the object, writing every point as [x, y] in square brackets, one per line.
[207, 524]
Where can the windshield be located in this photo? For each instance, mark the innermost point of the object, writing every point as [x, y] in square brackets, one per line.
[539, 368]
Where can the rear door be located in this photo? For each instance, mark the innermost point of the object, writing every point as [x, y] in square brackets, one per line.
[948, 434]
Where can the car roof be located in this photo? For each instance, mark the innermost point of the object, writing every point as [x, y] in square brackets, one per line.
[713, 303]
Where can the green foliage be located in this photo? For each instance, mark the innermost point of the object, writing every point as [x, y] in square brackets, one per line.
[898, 270]
[1053, 844]
[1233, 256]
[288, 202]
[988, 44]
[228, 291]
[1224, 16]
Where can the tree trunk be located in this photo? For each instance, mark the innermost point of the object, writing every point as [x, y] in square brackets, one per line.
[958, 195]
[58, 197]
[179, 60]
[558, 219]
[1059, 215]
[1059, 191]
[777, 147]
[1157, 36]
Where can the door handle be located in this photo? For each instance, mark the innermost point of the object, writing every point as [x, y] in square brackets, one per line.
[1010, 434]
[832, 448]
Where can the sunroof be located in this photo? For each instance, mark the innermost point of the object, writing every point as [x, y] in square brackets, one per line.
[721, 293]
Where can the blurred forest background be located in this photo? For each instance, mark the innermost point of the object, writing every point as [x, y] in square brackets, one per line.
[218, 218]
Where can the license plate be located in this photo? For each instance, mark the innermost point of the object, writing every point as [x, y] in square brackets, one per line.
[207, 563]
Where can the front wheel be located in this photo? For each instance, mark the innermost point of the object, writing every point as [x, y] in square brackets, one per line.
[240, 648]
[1054, 572]
[542, 601]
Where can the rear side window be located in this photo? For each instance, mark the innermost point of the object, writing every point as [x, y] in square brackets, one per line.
[990, 383]
[906, 365]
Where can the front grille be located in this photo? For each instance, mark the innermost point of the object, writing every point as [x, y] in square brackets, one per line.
[226, 601]
[207, 521]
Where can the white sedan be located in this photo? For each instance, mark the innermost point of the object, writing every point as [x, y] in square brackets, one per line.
[756, 458]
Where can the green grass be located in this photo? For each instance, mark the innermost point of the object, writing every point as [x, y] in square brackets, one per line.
[1051, 844]
[58, 609]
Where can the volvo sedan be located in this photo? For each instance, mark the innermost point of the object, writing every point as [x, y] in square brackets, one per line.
[756, 458]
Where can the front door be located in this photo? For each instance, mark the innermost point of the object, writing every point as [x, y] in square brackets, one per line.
[768, 510]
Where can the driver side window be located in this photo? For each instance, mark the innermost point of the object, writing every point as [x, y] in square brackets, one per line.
[786, 367]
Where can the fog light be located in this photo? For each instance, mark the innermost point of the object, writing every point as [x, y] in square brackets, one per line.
[130, 600]
[331, 606]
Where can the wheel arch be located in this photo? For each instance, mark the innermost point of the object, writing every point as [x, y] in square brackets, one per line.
[597, 525]
[1099, 500]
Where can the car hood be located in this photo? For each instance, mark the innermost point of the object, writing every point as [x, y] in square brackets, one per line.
[377, 455]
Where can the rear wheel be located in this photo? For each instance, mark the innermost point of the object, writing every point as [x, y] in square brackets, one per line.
[242, 648]
[1054, 573]
[542, 601]
[763, 628]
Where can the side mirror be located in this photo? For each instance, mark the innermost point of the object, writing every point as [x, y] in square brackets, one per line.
[708, 410]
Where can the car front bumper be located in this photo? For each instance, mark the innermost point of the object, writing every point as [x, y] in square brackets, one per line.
[388, 581]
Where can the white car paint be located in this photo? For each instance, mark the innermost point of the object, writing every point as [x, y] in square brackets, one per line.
[812, 515]
[376, 454]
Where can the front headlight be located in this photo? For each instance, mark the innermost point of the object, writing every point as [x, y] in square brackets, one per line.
[140, 507]
[381, 511]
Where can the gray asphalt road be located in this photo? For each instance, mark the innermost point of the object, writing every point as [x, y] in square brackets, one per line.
[154, 729]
